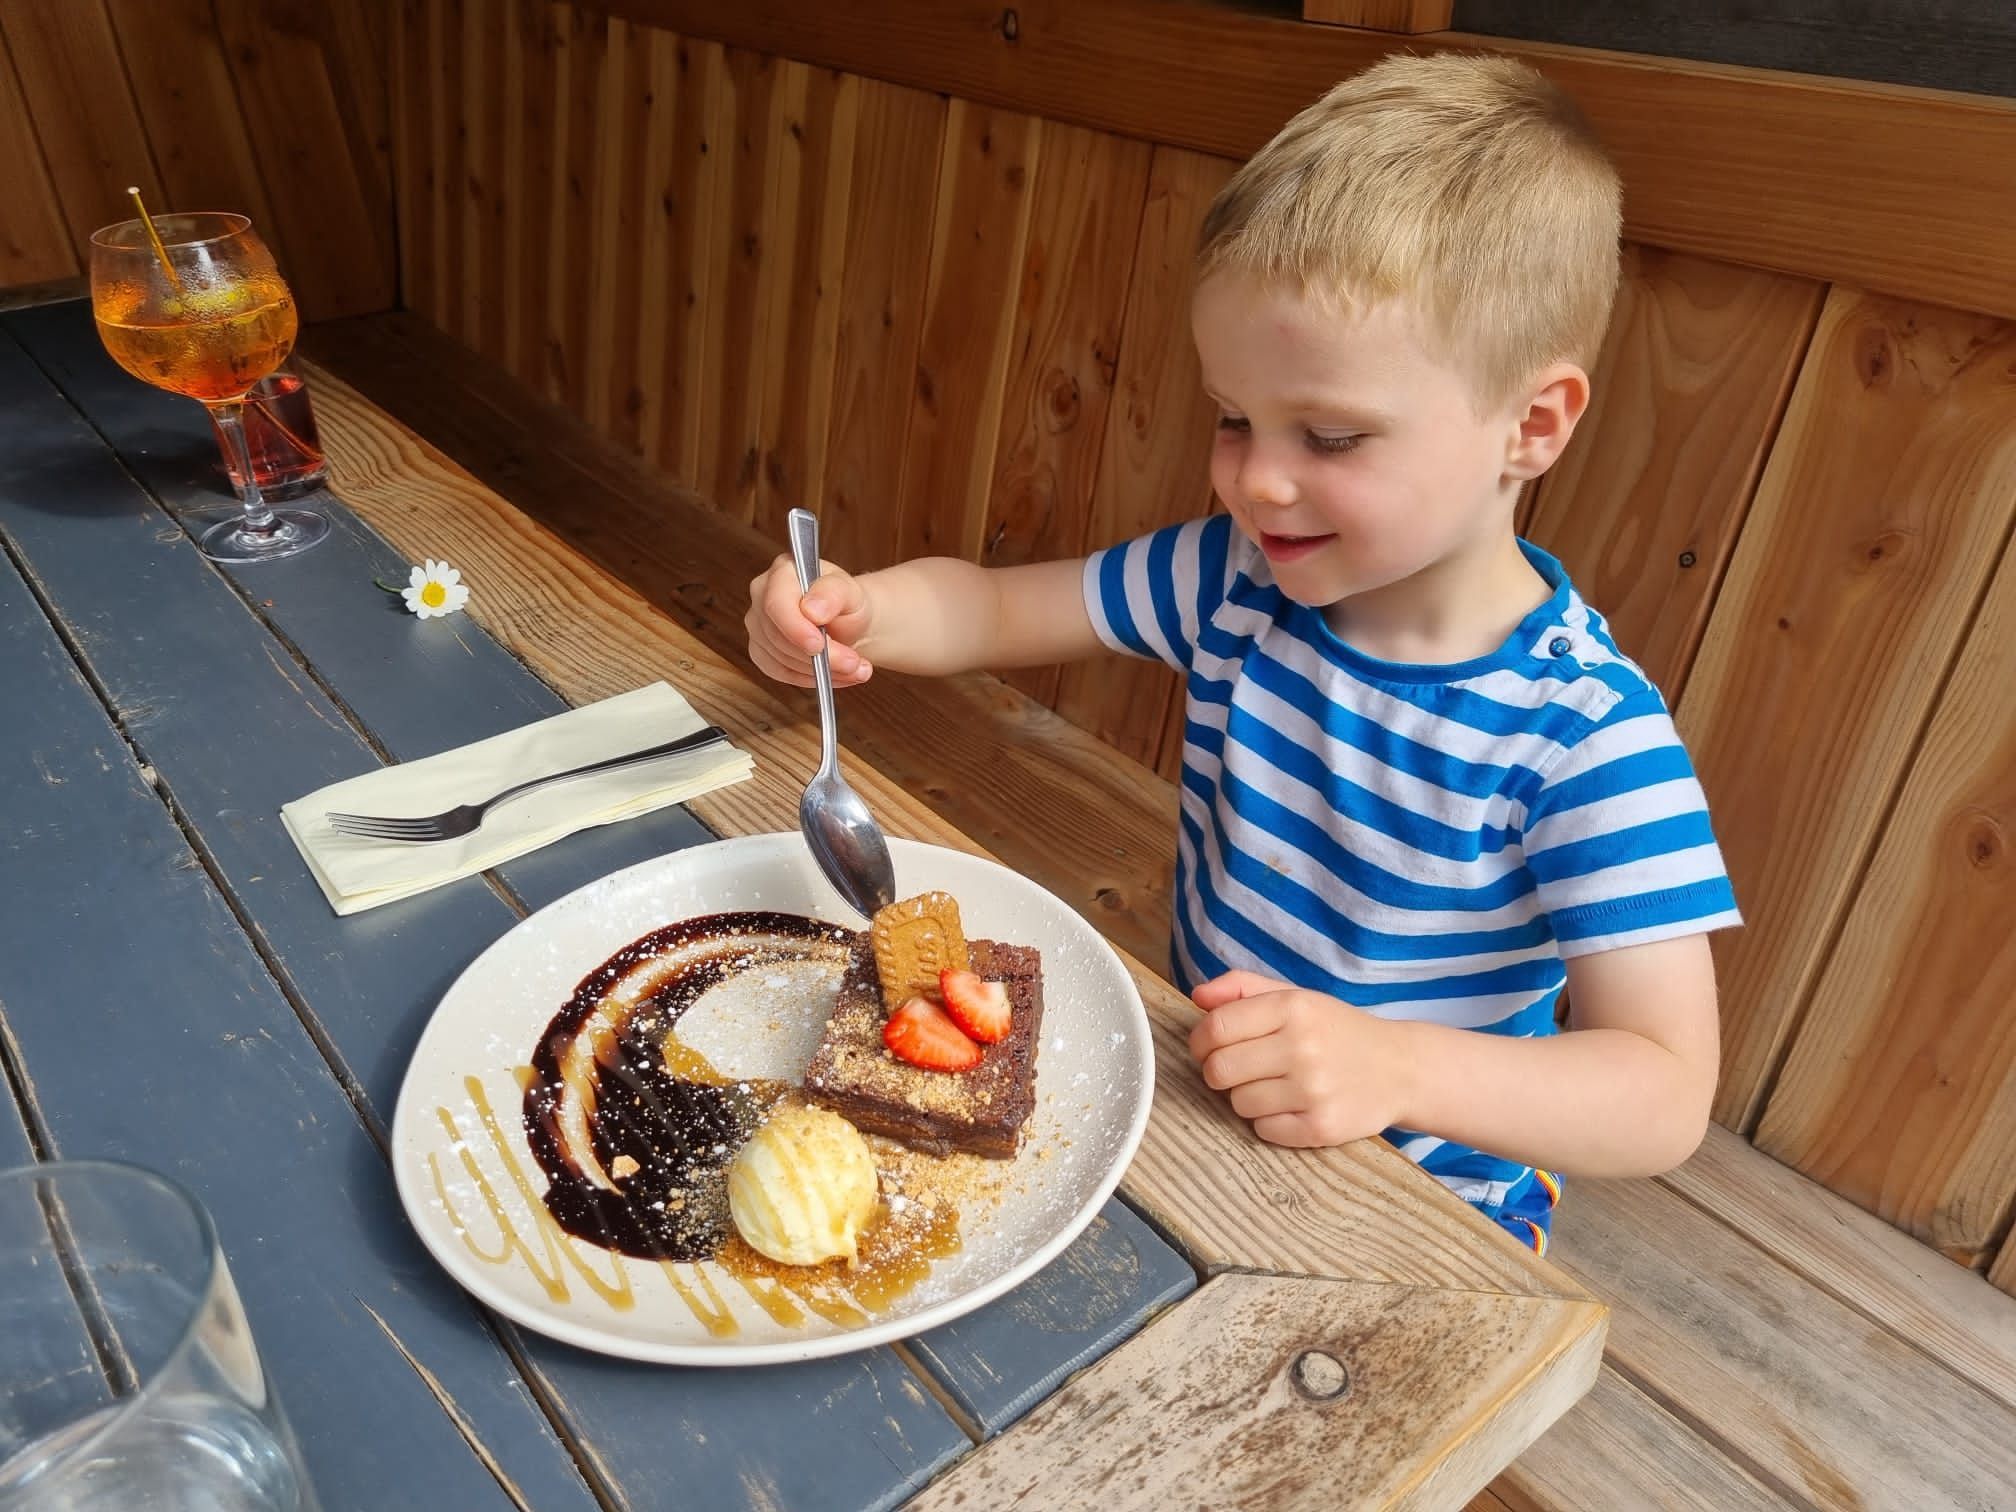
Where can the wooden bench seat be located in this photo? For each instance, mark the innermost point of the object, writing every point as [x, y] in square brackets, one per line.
[1771, 1345]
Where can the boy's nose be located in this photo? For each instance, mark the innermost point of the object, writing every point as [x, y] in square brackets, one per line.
[1264, 485]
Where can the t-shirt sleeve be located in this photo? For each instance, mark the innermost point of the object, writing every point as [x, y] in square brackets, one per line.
[1618, 838]
[1148, 596]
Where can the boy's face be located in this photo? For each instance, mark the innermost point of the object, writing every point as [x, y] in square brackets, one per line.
[1347, 451]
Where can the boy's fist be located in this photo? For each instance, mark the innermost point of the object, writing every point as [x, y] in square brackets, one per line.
[784, 625]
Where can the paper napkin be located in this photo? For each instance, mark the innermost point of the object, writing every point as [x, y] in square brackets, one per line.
[357, 874]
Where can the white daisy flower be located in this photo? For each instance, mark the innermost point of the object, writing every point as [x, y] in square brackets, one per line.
[435, 589]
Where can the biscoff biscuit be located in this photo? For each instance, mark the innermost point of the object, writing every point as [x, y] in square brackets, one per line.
[915, 939]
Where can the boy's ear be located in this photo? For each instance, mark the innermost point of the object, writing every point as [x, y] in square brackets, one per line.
[1559, 395]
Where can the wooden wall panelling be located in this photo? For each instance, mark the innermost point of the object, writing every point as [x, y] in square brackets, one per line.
[689, 202]
[644, 123]
[188, 106]
[892, 205]
[1154, 464]
[581, 39]
[615, 249]
[1900, 1089]
[1382, 15]
[507, 125]
[449, 138]
[732, 237]
[34, 241]
[414, 163]
[1645, 505]
[332, 209]
[357, 40]
[978, 239]
[808, 242]
[643, 409]
[1909, 191]
[74, 82]
[530, 198]
[486, 36]
[1873, 533]
[1084, 224]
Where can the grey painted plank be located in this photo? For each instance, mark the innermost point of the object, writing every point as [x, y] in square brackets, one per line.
[150, 1031]
[420, 687]
[416, 686]
[194, 674]
[1001, 1361]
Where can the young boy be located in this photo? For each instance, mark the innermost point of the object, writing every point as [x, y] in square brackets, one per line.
[1422, 789]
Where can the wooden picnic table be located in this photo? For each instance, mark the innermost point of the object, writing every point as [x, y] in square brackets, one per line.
[1244, 1327]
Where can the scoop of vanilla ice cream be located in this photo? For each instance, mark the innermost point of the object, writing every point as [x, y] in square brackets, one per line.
[802, 1189]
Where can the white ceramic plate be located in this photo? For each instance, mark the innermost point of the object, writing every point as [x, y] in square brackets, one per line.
[1094, 1081]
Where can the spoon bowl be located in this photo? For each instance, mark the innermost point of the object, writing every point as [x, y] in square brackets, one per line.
[842, 835]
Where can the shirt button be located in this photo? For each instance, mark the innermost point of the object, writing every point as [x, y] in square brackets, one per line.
[1560, 646]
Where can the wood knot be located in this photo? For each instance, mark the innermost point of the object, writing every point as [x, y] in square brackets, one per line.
[1011, 26]
[1319, 1376]
[1985, 843]
[1872, 355]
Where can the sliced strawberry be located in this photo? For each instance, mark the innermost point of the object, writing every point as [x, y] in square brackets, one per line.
[920, 1033]
[978, 1006]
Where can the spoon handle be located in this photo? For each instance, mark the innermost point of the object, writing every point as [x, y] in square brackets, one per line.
[804, 527]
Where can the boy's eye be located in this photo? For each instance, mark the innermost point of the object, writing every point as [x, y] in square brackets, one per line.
[1330, 446]
[1237, 423]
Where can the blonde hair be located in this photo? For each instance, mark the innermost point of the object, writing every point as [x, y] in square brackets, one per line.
[1468, 185]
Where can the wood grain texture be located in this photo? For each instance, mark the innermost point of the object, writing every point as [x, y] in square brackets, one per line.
[2003, 1272]
[1064, 352]
[978, 237]
[329, 205]
[1900, 1090]
[1887, 1276]
[415, 162]
[1293, 1392]
[1909, 191]
[1618, 1450]
[1823, 1406]
[811, 184]
[188, 102]
[485, 88]
[1645, 506]
[73, 80]
[1885, 502]
[1382, 15]
[1154, 465]
[449, 23]
[614, 238]
[34, 242]
[898, 142]
[689, 199]
[1358, 1210]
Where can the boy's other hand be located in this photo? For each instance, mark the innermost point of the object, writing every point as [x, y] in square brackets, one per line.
[1306, 1068]
[784, 624]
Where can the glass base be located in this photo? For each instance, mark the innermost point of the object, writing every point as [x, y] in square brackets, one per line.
[292, 531]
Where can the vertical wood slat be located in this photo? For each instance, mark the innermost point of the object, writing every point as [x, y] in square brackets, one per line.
[326, 205]
[73, 80]
[473, 148]
[732, 397]
[638, 121]
[977, 242]
[643, 406]
[808, 237]
[1084, 222]
[1872, 535]
[413, 160]
[570, 290]
[1154, 466]
[188, 106]
[689, 206]
[891, 209]
[1645, 505]
[1900, 1090]
[610, 221]
[34, 242]
[539, 26]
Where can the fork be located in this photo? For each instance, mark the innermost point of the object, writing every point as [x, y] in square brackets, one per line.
[454, 823]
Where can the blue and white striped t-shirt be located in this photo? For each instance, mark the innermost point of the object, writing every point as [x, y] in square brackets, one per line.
[1427, 842]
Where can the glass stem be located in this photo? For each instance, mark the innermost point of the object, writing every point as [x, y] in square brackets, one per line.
[230, 417]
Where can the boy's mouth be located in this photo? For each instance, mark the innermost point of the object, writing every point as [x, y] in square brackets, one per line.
[1288, 548]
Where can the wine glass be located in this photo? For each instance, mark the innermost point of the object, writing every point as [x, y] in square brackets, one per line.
[204, 312]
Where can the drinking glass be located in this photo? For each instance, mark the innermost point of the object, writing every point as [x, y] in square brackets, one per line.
[210, 322]
[128, 1376]
[281, 436]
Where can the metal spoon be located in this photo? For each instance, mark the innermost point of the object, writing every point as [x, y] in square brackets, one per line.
[843, 835]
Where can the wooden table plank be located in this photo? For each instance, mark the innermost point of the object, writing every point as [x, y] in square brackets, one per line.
[1001, 1361]
[415, 688]
[370, 981]
[148, 1030]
